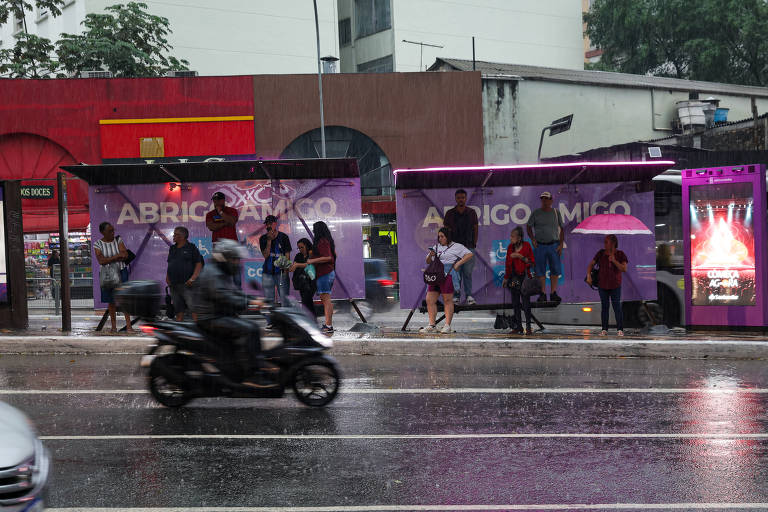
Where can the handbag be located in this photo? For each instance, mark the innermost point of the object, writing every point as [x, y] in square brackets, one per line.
[434, 274]
[595, 272]
[109, 276]
[170, 310]
[530, 286]
[131, 255]
[502, 320]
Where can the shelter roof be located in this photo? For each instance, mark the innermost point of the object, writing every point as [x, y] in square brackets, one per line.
[604, 78]
[555, 173]
[134, 174]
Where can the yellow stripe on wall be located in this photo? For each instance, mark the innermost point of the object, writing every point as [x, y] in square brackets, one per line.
[175, 120]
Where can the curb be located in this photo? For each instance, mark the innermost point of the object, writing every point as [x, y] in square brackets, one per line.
[451, 347]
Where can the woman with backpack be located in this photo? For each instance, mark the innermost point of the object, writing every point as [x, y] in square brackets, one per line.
[517, 268]
[611, 263]
[303, 282]
[452, 255]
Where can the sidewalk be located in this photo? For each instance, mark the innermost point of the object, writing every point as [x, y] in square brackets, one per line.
[475, 341]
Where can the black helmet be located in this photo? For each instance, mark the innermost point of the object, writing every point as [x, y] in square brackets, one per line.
[228, 254]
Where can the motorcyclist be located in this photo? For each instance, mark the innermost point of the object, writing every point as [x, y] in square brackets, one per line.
[219, 300]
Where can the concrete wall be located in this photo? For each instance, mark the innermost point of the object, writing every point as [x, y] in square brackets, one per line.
[235, 37]
[603, 116]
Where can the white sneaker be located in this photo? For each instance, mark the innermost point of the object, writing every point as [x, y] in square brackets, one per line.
[603, 333]
[620, 333]
[471, 300]
[446, 329]
[456, 299]
[428, 328]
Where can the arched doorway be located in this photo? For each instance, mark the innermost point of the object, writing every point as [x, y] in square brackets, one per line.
[35, 160]
[377, 189]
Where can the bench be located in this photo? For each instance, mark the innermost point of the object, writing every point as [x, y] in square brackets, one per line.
[457, 308]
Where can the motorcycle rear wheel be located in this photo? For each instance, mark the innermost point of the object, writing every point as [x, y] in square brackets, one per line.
[163, 390]
[316, 383]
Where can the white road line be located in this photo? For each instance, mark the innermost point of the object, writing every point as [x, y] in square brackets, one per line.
[399, 508]
[426, 391]
[758, 436]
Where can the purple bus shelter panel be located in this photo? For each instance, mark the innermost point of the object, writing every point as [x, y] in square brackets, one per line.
[144, 216]
[500, 209]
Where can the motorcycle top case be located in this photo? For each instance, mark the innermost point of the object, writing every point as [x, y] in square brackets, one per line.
[139, 298]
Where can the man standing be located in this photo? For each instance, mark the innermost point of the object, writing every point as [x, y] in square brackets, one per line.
[184, 265]
[273, 244]
[545, 229]
[463, 224]
[222, 219]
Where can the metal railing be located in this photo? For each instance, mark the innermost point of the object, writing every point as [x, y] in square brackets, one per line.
[45, 293]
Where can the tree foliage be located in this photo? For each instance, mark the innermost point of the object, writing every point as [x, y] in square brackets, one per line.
[29, 58]
[713, 40]
[126, 40]
[17, 8]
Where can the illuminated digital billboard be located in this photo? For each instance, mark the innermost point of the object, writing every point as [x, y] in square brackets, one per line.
[3, 269]
[722, 249]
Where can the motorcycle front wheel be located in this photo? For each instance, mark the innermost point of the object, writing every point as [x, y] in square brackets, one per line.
[316, 383]
[162, 388]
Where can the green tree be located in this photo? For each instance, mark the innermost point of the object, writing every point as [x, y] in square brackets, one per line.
[29, 58]
[126, 40]
[714, 40]
[19, 7]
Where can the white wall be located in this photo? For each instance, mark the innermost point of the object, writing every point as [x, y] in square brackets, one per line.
[231, 37]
[603, 116]
[544, 33]
[47, 26]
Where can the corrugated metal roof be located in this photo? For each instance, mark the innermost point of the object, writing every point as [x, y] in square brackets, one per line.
[603, 78]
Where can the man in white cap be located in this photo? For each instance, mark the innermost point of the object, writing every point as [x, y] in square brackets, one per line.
[545, 229]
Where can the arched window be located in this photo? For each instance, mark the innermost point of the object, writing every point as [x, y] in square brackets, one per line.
[342, 142]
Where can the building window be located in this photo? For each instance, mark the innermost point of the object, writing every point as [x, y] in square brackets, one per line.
[371, 16]
[345, 32]
[42, 13]
[18, 25]
[382, 65]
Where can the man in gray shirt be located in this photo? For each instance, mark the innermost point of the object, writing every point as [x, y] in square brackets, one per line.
[545, 229]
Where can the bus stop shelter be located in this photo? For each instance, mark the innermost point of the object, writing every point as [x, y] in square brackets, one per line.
[504, 197]
[145, 202]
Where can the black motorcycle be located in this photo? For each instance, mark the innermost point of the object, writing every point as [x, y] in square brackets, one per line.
[184, 363]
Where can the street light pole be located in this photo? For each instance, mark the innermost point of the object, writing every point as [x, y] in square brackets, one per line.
[320, 84]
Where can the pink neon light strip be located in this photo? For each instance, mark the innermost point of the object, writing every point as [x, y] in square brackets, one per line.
[538, 166]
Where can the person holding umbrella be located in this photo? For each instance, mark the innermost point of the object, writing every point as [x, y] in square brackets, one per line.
[611, 263]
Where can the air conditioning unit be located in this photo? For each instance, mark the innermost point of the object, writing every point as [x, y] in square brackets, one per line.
[96, 74]
[181, 74]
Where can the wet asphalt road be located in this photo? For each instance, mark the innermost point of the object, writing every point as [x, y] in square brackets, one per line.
[440, 433]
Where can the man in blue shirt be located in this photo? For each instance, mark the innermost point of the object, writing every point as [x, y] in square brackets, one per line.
[184, 265]
[273, 244]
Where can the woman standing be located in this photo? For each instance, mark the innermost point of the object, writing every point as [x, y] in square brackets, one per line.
[518, 267]
[324, 260]
[611, 263]
[452, 255]
[301, 280]
[111, 251]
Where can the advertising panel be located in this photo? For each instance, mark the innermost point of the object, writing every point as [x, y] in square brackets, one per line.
[144, 216]
[3, 268]
[722, 245]
[499, 209]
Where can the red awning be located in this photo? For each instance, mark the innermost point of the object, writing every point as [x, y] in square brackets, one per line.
[48, 222]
